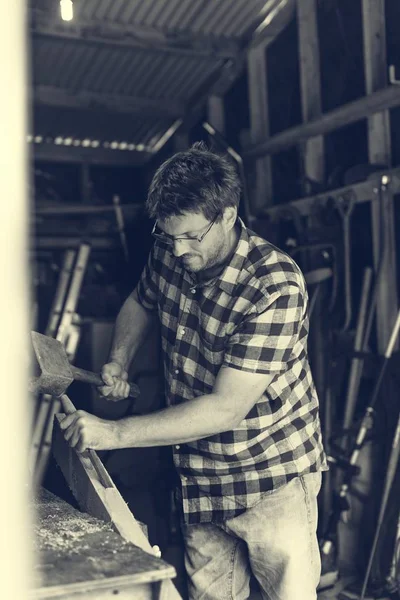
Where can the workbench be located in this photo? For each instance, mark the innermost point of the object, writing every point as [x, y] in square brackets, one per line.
[79, 556]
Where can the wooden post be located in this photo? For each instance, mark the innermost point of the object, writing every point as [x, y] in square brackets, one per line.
[379, 147]
[216, 113]
[310, 82]
[312, 157]
[261, 196]
[312, 153]
[181, 141]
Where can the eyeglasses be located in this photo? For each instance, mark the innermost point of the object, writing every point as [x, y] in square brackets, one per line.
[160, 235]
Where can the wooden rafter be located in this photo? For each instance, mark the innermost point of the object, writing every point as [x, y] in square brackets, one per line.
[94, 156]
[59, 97]
[345, 115]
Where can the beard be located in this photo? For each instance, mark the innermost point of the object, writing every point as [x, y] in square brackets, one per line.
[201, 263]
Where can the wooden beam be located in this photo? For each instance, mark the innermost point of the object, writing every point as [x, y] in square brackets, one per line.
[140, 37]
[278, 13]
[103, 503]
[47, 242]
[44, 95]
[129, 210]
[340, 117]
[50, 152]
[366, 191]
[312, 152]
[379, 150]
[262, 193]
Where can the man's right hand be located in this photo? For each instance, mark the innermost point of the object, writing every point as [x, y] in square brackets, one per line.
[115, 378]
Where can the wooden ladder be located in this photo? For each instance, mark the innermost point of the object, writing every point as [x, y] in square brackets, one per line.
[63, 324]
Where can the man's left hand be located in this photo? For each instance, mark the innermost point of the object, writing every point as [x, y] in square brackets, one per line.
[83, 430]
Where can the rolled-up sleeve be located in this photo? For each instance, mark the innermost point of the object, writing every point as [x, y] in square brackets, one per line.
[148, 285]
[266, 338]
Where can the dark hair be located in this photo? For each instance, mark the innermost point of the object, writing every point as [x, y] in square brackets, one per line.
[196, 180]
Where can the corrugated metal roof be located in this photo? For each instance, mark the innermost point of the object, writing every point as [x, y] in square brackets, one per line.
[95, 64]
[221, 18]
[75, 65]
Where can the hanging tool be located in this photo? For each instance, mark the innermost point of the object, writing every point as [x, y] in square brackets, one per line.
[345, 205]
[55, 371]
[316, 278]
[102, 474]
[357, 362]
[328, 544]
[390, 475]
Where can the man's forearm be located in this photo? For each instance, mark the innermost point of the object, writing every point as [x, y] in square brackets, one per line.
[193, 420]
[131, 327]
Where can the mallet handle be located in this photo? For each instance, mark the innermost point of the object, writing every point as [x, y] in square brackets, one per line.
[95, 379]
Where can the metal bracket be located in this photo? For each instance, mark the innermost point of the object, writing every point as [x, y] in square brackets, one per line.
[392, 75]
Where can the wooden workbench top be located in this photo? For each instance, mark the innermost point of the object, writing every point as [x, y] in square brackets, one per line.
[76, 552]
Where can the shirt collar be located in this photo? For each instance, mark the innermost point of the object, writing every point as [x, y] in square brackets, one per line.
[229, 276]
[227, 280]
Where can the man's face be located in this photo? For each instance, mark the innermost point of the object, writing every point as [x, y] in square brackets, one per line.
[197, 256]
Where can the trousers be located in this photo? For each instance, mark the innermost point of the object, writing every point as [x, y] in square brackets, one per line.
[275, 540]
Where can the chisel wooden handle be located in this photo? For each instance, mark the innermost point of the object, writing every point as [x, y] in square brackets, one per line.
[96, 379]
[102, 474]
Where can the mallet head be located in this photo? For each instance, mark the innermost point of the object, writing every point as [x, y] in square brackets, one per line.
[53, 372]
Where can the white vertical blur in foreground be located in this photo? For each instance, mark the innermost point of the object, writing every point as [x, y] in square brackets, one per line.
[15, 570]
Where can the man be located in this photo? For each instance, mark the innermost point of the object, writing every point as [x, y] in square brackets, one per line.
[242, 411]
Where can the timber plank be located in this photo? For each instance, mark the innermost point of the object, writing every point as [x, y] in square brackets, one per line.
[103, 503]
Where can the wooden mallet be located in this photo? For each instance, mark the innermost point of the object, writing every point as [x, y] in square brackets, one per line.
[54, 373]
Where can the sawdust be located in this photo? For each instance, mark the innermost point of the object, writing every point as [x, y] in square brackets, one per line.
[58, 530]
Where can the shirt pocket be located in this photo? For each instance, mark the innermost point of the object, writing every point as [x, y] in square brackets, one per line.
[168, 312]
[212, 347]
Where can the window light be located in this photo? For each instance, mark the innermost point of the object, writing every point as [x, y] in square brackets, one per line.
[67, 10]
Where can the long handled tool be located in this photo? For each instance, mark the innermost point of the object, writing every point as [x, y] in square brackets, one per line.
[345, 206]
[341, 503]
[357, 363]
[55, 371]
[390, 475]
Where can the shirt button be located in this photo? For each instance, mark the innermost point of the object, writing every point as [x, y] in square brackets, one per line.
[176, 371]
[177, 447]
[193, 290]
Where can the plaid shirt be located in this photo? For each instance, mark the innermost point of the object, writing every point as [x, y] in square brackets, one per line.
[252, 317]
